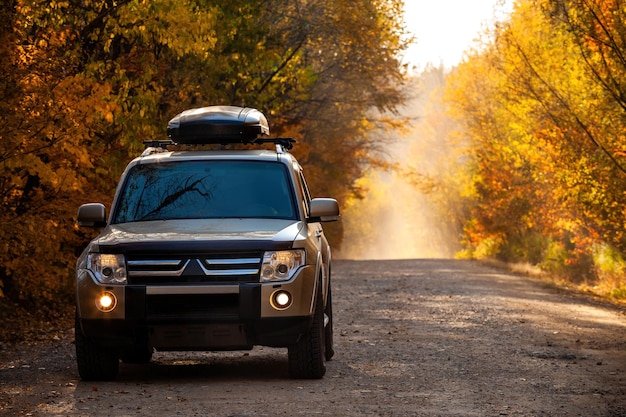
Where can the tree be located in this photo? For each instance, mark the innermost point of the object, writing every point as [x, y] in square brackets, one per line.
[541, 102]
[87, 81]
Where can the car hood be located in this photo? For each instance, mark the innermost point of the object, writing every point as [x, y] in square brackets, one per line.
[200, 235]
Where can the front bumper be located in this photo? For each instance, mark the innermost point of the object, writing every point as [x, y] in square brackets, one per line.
[127, 334]
[196, 317]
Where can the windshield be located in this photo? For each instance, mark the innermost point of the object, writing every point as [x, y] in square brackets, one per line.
[204, 190]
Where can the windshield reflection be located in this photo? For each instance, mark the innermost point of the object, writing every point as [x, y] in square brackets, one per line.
[201, 189]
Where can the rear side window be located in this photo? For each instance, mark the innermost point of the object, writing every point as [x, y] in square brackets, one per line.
[204, 190]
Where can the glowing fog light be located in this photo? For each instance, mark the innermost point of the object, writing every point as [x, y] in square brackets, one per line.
[281, 300]
[106, 301]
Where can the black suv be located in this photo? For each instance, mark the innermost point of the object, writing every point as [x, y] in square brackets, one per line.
[207, 250]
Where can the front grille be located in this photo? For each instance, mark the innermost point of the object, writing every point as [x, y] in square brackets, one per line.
[197, 268]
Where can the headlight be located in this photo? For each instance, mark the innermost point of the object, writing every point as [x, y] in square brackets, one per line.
[281, 265]
[107, 268]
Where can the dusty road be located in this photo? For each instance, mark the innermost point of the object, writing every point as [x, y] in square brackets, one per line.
[413, 338]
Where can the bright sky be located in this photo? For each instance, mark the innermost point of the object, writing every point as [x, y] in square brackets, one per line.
[444, 29]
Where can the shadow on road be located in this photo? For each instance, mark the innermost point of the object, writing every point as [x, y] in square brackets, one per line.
[258, 364]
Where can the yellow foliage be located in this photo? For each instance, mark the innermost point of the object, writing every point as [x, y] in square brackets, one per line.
[83, 87]
[542, 106]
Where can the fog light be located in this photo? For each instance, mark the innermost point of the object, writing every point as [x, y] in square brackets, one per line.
[281, 300]
[106, 301]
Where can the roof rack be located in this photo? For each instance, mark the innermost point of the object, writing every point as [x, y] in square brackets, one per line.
[286, 143]
[156, 146]
[159, 145]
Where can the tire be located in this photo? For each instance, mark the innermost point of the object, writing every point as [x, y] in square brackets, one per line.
[328, 328]
[95, 362]
[307, 359]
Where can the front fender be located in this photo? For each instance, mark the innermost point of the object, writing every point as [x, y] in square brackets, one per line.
[88, 291]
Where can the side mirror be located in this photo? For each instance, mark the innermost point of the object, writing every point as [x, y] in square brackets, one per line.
[324, 210]
[92, 215]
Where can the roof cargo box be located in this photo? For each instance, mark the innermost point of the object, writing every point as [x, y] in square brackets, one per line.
[217, 125]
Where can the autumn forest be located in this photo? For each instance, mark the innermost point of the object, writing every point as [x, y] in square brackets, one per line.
[534, 168]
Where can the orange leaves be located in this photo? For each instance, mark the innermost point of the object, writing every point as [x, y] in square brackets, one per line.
[82, 87]
[543, 105]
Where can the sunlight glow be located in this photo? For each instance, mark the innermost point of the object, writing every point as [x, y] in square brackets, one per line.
[445, 29]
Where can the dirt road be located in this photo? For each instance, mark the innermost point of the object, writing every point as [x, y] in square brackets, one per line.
[413, 338]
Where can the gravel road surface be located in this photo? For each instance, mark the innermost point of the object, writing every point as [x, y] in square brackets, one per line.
[413, 338]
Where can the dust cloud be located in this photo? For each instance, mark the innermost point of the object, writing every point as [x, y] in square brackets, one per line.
[394, 219]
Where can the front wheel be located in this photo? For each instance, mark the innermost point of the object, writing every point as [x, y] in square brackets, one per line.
[307, 358]
[95, 362]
